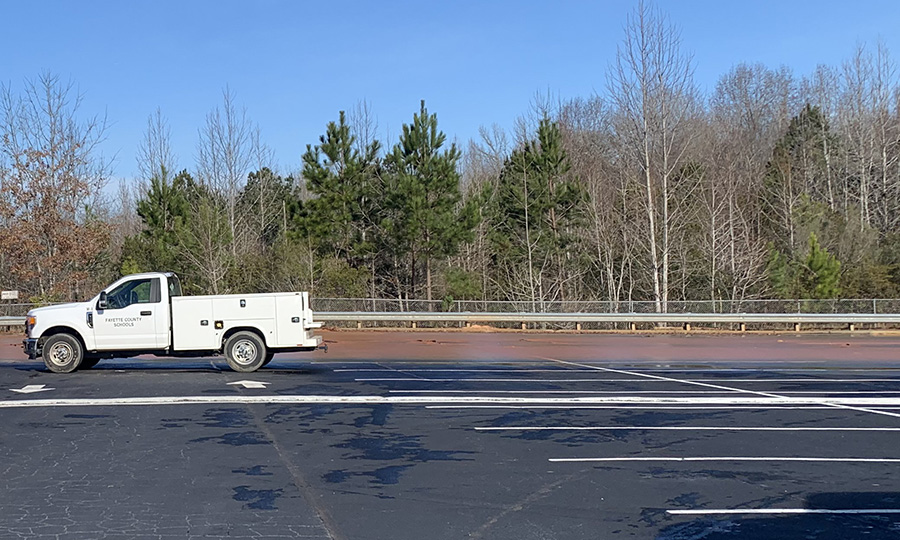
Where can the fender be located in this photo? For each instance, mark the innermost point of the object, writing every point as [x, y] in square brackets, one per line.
[64, 329]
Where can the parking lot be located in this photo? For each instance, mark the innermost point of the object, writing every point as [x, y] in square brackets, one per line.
[453, 435]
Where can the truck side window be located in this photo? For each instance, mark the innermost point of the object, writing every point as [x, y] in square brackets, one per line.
[131, 292]
[174, 286]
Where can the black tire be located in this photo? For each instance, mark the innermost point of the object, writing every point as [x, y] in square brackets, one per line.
[62, 353]
[88, 362]
[268, 358]
[245, 352]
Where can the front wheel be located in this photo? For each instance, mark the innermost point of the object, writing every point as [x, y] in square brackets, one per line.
[245, 352]
[62, 353]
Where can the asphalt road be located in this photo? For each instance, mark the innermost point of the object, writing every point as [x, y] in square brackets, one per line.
[451, 436]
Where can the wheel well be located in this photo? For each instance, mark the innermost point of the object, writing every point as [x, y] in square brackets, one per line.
[64, 330]
[233, 331]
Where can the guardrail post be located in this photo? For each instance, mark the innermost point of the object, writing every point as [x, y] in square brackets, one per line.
[414, 325]
[523, 326]
[687, 327]
[796, 327]
[358, 325]
[743, 327]
[851, 327]
[633, 327]
[578, 326]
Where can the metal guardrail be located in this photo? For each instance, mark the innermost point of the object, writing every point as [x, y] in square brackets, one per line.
[12, 321]
[579, 318]
[351, 316]
[632, 318]
[394, 305]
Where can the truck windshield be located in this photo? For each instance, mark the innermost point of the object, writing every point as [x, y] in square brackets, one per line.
[174, 286]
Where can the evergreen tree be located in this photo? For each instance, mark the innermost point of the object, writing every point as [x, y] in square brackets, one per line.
[539, 209]
[815, 275]
[339, 220]
[165, 211]
[426, 219]
[822, 272]
[798, 172]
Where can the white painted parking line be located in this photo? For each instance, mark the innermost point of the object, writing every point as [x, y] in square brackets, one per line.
[681, 428]
[424, 379]
[824, 401]
[472, 370]
[723, 458]
[840, 392]
[801, 380]
[595, 380]
[634, 370]
[823, 394]
[776, 369]
[643, 407]
[591, 392]
[777, 401]
[780, 511]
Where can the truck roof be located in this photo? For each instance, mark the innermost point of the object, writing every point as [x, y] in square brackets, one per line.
[149, 274]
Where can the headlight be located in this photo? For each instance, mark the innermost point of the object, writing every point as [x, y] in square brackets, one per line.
[30, 321]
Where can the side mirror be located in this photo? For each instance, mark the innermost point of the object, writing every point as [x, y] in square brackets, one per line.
[102, 303]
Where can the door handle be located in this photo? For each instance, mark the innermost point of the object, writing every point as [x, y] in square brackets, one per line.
[144, 313]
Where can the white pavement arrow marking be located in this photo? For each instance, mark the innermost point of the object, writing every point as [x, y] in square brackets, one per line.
[250, 384]
[32, 388]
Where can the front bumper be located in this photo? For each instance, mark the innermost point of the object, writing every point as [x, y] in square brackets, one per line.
[31, 348]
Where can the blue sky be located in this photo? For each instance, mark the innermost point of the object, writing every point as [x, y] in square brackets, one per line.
[295, 64]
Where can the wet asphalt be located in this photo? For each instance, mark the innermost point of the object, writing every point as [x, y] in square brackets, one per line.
[450, 445]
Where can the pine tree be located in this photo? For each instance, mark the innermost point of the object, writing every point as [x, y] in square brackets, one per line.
[822, 272]
[165, 210]
[338, 220]
[539, 209]
[798, 170]
[426, 219]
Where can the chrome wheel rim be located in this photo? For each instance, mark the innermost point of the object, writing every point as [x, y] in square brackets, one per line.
[61, 354]
[244, 352]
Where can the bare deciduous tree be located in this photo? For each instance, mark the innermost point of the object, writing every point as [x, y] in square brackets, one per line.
[652, 87]
[225, 155]
[51, 179]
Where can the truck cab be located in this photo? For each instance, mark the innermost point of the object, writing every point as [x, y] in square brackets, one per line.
[147, 314]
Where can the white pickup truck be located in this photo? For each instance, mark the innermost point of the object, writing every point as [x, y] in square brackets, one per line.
[146, 314]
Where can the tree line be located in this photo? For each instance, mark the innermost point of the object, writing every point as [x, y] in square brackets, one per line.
[770, 186]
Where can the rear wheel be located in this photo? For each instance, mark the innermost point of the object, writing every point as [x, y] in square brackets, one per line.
[62, 353]
[245, 352]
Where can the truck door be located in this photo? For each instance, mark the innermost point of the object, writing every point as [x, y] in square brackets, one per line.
[129, 322]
